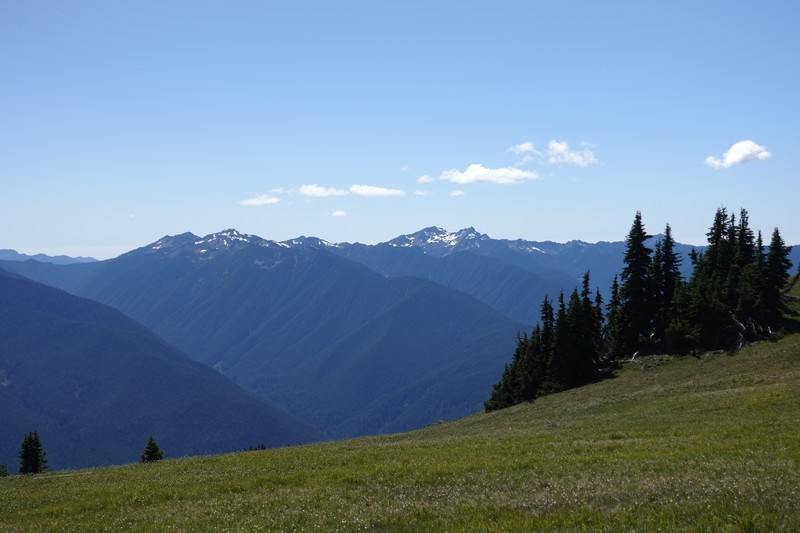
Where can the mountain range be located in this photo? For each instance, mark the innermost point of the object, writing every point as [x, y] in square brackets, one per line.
[350, 339]
[13, 255]
[512, 276]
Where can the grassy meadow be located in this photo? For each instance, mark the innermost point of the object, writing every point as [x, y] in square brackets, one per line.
[708, 443]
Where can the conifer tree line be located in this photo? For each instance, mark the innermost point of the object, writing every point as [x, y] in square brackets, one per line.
[732, 296]
[33, 459]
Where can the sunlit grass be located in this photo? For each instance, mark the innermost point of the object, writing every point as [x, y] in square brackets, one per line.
[691, 444]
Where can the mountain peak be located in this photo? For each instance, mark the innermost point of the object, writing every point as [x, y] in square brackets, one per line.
[228, 236]
[309, 241]
[437, 240]
[173, 241]
[471, 234]
[208, 246]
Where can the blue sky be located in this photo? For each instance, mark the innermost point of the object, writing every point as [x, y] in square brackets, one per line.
[122, 122]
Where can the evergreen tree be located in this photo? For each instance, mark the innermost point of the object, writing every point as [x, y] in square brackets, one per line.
[502, 395]
[718, 251]
[682, 333]
[562, 351]
[735, 287]
[599, 320]
[613, 328]
[3, 470]
[509, 390]
[548, 326]
[776, 274]
[559, 353]
[32, 459]
[152, 452]
[710, 309]
[745, 252]
[570, 370]
[657, 294]
[744, 275]
[635, 292]
[671, 272]
[543, 349]
[588, 334]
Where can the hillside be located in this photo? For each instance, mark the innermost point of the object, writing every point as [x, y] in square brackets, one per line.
[690, 444]
[95, 384]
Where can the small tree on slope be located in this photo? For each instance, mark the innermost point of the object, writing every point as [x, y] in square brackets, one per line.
[32, 459]
[152, 452]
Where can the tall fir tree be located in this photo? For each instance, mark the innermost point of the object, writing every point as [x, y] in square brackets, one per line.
[635, 292]
[559, 359]
[612, 332]
[776, 274]
[32, 458]
[671, 268]
[543, 348]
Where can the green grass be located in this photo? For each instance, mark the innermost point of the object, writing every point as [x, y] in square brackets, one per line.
[687, 444]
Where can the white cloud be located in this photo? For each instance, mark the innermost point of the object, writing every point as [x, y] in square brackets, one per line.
[524, 148]
[527, 151]
[457, 193]
[339, 214]
[422, 193]
[261, 199]
[370, 190]
[739, 153]
[477, 173]
[424, 179]
[318, 191]
[559, 153]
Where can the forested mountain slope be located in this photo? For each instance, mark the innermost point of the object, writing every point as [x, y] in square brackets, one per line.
[95, 384]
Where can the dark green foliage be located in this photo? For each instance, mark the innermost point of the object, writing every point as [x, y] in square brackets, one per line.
[636, 294]
[563, 351]
[3, 470]
[152, 452]
[666, 277]
[734, 292]
[776, 272]
[612, 331]
[735, 289]
[32, 459]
